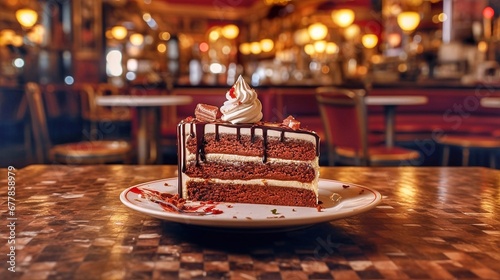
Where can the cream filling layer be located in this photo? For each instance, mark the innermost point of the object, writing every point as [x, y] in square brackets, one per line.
[250, 159]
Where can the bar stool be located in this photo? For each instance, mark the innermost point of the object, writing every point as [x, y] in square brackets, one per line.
[466, 143]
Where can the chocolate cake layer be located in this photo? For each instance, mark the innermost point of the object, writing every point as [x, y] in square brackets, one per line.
[242, 193]
[302, 172]
[291, 149]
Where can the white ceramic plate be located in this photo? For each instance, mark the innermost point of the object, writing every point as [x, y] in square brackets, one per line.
[354, 200]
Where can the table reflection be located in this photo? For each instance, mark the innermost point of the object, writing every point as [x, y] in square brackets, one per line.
[433, 223]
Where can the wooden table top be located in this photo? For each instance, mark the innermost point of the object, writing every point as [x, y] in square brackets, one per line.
[433, 223]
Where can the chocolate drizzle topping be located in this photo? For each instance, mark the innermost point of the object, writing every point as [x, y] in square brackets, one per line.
[264, 145]
[238, 135]
[252, 134]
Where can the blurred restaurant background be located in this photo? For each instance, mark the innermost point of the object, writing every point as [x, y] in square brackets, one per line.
[447, 51]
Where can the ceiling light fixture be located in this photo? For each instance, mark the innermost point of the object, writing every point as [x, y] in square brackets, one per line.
[369, 41]
[266, 45]
[343, 17]
[408, 21]
[230, 31]
[136, 39]
[119, 32]
[317, 31]
[26, 17]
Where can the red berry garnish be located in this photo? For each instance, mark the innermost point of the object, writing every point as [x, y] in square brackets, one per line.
[231, 93]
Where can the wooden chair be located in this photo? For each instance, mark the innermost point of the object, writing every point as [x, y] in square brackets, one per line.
[344, 116]
[84, 152]
[94, 114]
[490, 144]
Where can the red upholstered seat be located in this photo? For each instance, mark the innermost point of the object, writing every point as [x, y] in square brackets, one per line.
[344, 117]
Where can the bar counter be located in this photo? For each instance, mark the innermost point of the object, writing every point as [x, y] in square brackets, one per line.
[432, 223]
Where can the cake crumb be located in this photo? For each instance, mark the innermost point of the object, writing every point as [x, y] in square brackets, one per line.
[234, 217]
[345, 186]
[319, 208]
[248, 218]
[362, 191]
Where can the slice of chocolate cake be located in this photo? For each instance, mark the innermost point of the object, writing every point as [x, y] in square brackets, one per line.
[239, 158]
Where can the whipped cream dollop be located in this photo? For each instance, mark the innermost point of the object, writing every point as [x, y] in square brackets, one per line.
[242, 105]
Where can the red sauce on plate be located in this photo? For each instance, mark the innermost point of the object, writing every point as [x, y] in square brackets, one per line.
[208, 207]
